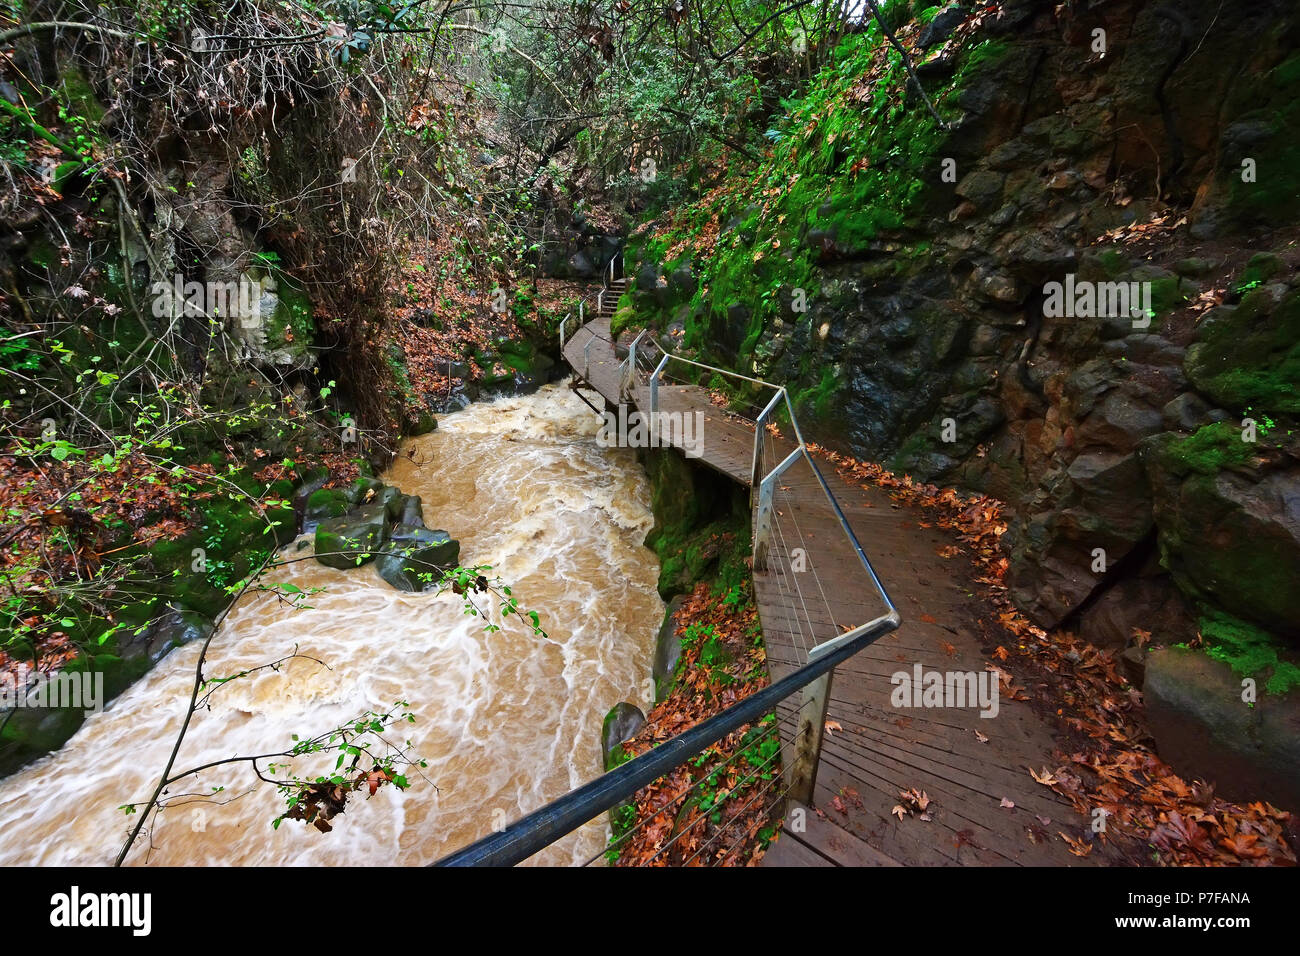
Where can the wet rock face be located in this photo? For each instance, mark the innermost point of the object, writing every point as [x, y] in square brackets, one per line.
[949, 359]
[1204, 728]
[998, 342]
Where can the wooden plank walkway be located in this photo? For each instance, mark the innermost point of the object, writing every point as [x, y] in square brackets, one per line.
[969, 766]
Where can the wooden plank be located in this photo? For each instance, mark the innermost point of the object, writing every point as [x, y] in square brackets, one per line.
[839, 845]
[789, 850]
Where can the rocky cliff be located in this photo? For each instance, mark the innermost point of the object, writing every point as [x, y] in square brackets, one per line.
[1074, 286]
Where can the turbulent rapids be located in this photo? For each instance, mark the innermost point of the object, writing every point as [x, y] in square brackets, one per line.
[506, 721]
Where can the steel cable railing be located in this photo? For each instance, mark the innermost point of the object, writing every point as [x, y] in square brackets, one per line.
[539, 829]
[764, 770]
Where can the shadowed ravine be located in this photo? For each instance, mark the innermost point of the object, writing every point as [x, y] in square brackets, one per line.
[507, 721]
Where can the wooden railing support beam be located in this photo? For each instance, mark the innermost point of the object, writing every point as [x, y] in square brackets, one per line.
[802, 772]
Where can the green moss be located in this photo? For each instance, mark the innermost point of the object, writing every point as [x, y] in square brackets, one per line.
[701, 529]
[1209, 450]
[78, 95]
[1113, 263]
[1274, 196]
[848, 165]
[1249, 651]
[816, 400]
[983, 56]
[293, 314]
[1167, 294]
[1250, 355]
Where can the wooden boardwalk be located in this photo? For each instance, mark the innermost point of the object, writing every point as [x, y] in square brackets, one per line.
[968, 766]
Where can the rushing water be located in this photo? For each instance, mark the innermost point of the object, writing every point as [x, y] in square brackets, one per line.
[506, 721]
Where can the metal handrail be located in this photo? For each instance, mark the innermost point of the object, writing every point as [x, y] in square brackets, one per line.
[758, 481]
[606, 282]
[763, 484]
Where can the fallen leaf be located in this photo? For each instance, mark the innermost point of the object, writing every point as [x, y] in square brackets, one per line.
[1077, 847]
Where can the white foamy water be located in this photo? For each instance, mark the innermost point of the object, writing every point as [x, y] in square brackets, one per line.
[506, 721]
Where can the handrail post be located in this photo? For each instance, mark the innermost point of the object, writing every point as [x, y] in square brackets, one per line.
[629, 372]
[631, 350]
[581, 316]
[563, 321]
[654, 387]
[755, 473]
[763, 518]
[802, 772]
[763, 525]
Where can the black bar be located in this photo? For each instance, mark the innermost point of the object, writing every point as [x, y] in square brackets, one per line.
[543, 827]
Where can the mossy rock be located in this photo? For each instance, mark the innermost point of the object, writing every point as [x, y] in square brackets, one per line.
[519, 348]
[1228, 538]
[31, 732]
[414, 558]
[1204, 728]
[420, 421]
[621, 724]
[322, 504]
[352, 539]
[1250, 651]
[1249, 356]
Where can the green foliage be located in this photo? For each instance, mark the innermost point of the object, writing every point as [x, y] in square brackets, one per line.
[852, 160]
[621, 821]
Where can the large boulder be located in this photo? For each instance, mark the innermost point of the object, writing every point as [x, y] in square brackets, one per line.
[1229, 536]
[352, 539]
[1092, 516]
[321, 505]
[621, 724]
[1204, 728]
[414, 556]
